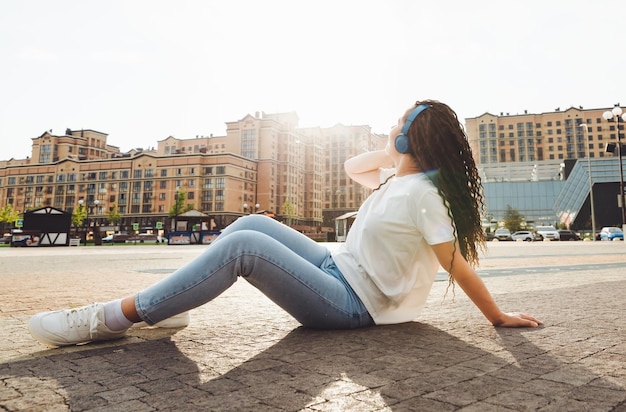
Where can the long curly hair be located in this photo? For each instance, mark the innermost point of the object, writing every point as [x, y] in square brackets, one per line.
[438, 143]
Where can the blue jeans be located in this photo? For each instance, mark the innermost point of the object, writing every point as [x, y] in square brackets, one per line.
[292, 270]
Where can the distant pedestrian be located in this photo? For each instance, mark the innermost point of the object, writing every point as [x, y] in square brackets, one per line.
[425, 212]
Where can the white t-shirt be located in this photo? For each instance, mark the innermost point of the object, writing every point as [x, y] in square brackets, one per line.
[386, 257]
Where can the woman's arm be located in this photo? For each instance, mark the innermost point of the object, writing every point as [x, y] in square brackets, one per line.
[473, 286]
[365, 168]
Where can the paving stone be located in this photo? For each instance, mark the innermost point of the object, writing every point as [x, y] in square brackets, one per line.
[243, 353]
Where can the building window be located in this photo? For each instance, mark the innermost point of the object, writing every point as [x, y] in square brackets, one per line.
[45, 153]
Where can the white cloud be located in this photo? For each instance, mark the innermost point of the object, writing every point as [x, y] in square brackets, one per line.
[37, 55]
[116, 56]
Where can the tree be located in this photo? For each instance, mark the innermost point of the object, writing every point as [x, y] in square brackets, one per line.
[179, 204]
[289, 211]
[78, 217]
[114, 215]
[512, 219]
[8, 215]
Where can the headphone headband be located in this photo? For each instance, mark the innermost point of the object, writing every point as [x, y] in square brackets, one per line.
[414, 113]
[402, 140]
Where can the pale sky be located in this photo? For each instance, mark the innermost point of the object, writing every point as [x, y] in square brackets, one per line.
[141, 71]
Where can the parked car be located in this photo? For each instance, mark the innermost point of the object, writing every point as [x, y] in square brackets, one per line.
[568, 235]
[503, 234]
[548, 232]
[525, 235]
[611, 233]
[5, 240]
[116, 238]
[489, 236]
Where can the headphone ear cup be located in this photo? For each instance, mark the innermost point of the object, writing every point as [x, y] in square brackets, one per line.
[402, 143]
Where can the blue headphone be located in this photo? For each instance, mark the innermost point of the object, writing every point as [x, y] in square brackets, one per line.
[402, 140]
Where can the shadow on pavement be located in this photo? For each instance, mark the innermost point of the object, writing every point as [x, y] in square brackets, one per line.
[401, 367]
[574, 363]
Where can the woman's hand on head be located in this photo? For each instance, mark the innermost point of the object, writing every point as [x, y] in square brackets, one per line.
[517, 320]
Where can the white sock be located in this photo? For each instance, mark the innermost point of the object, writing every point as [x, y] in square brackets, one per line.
[114, 318]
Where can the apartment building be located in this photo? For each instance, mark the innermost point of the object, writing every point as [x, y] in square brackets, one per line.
[552, 136]
[532, 162]
[263, 164]
[339, 193]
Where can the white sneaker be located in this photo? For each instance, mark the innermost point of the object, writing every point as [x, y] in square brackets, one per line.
[72, 326]
[177, 321]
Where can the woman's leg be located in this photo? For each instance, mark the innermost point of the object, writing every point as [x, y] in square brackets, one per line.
[306, 290]
[295, 272]
[294, 240]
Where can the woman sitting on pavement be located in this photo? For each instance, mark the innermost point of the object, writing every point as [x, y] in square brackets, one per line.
[425, 212]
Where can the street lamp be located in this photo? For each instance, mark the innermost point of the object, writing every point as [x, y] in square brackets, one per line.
[615, 116]
[245, 208]
[593, 215]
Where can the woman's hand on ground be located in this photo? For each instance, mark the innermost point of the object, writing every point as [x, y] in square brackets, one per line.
[517, 320]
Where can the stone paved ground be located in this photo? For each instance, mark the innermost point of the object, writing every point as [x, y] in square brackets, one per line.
[242, 353]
